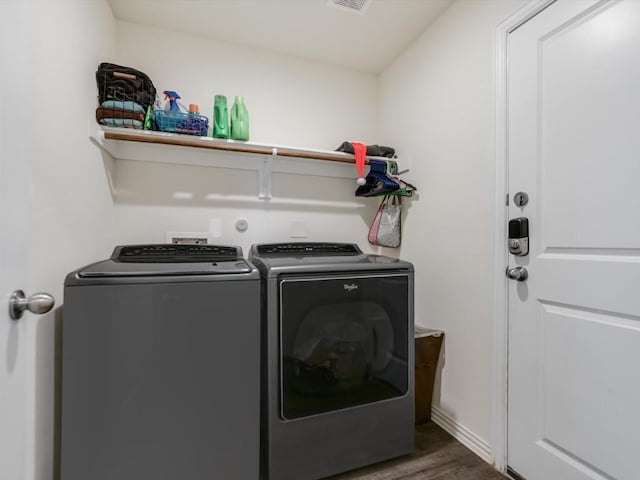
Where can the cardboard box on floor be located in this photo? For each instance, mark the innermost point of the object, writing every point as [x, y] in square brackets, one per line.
[428, 343]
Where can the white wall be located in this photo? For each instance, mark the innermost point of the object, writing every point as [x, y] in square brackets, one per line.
[291, 101]
[72, 207]
[437, 102]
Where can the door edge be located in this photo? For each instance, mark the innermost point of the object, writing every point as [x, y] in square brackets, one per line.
[499, 380]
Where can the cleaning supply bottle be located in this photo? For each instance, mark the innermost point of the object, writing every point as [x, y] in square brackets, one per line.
[148, 119]
[239, 120]
[172, 105]
[220, 117]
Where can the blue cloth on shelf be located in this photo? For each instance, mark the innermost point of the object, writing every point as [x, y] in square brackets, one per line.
[120, 105]
[122, 122]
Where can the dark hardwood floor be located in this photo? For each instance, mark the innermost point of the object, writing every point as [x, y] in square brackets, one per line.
[437, 456]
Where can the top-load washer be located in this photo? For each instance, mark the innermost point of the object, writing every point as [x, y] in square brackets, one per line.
[337, 385]
[161, 366]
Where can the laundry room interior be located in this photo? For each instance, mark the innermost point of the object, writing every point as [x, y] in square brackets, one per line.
[426, 87]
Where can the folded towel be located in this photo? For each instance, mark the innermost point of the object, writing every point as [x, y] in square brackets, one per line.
[121, 122]
[372, 150]
[115, 113]
[117, 104]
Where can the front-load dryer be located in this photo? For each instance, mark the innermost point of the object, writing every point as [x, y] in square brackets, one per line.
[337, 386]
[161, 366]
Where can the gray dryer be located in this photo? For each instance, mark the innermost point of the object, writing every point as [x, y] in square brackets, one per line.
[338, 387]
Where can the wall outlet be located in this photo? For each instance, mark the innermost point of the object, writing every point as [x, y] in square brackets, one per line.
[215, 227]
[193, 238]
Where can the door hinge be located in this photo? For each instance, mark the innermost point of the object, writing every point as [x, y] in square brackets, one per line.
[506, 200]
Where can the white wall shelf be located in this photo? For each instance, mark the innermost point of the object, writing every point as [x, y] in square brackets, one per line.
[129, 144]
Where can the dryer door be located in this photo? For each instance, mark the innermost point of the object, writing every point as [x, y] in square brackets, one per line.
[344, 342]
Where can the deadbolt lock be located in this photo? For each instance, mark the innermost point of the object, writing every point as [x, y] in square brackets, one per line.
[519, 236]
[521, 199]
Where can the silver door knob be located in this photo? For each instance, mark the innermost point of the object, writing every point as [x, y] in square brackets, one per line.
[519, 274]
[37, 303]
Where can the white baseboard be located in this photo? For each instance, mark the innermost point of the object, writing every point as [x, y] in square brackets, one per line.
[462, 434]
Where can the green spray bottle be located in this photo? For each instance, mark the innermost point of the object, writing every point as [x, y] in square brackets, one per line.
[148, 119]
[220, 117]
[239, 120]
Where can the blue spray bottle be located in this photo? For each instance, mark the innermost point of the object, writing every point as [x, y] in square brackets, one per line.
[173, 101]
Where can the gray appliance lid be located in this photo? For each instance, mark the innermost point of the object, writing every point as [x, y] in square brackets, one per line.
[172, 253]
[110, 268]
[294, 258]
[168, 260]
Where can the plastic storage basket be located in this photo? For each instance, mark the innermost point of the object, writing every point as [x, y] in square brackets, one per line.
[187, 123]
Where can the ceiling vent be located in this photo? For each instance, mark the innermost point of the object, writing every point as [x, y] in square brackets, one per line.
[353, 6]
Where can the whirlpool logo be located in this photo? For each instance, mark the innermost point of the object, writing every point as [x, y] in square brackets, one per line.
[350, 287]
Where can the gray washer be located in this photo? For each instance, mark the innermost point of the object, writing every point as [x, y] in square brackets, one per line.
[312, 434]
[161, 366]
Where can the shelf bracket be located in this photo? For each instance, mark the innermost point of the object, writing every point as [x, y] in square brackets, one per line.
[97, 137]
[264, 175]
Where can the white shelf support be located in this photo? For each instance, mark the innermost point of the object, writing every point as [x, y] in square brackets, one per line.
[97, 136]
[265, 172]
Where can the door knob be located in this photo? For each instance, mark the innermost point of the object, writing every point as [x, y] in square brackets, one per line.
[519, 274]
[37, 303]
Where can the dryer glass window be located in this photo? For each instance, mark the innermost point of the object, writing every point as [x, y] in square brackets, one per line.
[344, 342]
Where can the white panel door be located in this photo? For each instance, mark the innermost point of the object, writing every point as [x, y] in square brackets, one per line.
[574, 324]
[17, 338]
